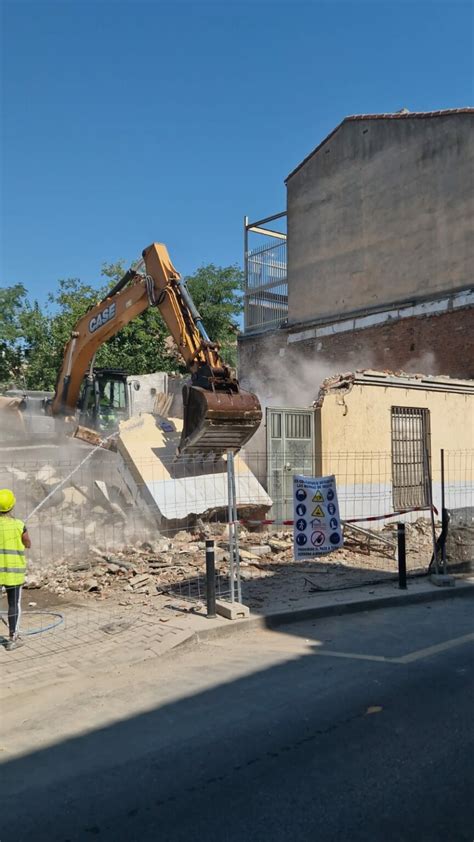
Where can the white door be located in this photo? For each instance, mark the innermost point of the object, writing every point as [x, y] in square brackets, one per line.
[290, 450]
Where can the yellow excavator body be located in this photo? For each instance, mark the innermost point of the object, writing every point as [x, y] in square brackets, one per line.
[218, 415]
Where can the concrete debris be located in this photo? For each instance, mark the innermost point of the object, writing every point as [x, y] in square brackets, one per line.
[97, 552]
[90, 585]
[181, 537]
[77, 567]
[33, 582]
[46, 473]
[341, 383]
[17, 474]
[49, 485]
[113, 568]
[248, 556]
[72, 531]
[100, 508]
[139, 580]
[97, 538]
[93, 438]
[74, 497]
[277, 545]
[174, 564]
[261, 549]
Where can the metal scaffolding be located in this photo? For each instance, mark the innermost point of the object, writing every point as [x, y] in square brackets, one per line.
[266, 283]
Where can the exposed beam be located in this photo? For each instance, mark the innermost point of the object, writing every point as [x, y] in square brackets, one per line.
[267, 219]
[277, 234]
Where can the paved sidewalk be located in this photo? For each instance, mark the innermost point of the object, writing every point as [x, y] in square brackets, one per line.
[91, 641]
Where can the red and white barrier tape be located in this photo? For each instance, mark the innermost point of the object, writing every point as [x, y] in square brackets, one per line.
[393, 514]
[347, 520]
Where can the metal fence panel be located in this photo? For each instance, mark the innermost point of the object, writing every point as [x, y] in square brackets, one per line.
[101, 543]
[459, 492]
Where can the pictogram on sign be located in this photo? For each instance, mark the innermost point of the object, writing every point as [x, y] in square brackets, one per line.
[316, 520]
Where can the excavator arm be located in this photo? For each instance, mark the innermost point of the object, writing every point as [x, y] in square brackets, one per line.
[218, 415]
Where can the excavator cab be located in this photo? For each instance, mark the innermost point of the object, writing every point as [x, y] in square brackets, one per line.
[103, 401]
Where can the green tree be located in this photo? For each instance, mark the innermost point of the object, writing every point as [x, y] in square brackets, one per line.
[141, 347]
[47, 331]
[144, 344]
[39, 368]
[12, 303]
[217, 293]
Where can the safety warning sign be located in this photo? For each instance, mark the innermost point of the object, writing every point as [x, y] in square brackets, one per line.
[318, 532]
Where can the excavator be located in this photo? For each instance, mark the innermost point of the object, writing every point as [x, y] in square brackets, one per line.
[218, 416]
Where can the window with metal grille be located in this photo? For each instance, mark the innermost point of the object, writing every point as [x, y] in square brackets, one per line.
[410, 457]
[298, 426]
[275, 420]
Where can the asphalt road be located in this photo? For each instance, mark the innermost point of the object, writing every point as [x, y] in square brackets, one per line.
[267, 738]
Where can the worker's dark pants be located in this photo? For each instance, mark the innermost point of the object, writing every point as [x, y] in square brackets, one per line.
[14, 608]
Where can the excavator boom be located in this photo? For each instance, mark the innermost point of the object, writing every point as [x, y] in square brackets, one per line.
[217, 414]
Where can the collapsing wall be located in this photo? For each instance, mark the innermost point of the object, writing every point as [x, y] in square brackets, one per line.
[176, 490]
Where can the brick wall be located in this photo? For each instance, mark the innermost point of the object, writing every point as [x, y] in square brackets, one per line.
[441, 345]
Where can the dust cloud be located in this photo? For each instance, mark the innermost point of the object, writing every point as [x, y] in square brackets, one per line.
[291, 380]
[424, 363]
[288, 379]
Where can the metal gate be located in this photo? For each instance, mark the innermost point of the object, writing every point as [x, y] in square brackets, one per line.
[290, 450]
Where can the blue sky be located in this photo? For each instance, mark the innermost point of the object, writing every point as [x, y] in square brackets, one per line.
[128, 122]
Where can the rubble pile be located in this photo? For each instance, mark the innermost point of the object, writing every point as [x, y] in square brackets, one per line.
[71, 516]
[175, 563]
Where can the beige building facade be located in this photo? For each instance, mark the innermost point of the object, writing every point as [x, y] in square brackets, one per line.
[382, 436]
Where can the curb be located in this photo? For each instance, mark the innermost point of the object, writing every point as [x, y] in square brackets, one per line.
[279, 618]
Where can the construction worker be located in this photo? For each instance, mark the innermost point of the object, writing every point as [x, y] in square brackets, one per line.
[14, 539]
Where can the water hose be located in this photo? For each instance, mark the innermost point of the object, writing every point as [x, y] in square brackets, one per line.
[59, 620]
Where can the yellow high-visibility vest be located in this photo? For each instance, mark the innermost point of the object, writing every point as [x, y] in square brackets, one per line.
[12, 551]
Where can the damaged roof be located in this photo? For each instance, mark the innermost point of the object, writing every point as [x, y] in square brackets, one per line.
[404, 114]
[343, 383]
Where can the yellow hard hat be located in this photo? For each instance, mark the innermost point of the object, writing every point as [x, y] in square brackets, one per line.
[7, 499]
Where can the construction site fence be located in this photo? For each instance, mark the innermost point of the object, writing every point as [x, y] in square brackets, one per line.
[120, 545]
[106, 502]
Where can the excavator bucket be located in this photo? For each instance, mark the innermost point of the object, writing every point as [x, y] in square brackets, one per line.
[217, 421]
